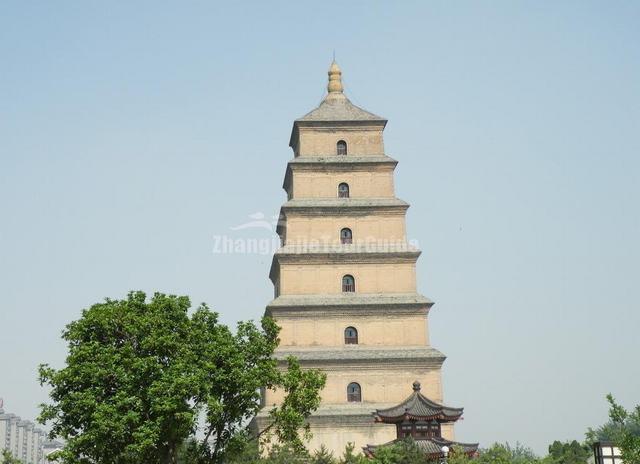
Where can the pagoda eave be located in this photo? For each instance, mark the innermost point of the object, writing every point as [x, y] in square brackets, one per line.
[417, 418]
[338, 305]
[344, 206]
[359, 356]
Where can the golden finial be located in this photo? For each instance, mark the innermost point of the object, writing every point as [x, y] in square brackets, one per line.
[335, 80]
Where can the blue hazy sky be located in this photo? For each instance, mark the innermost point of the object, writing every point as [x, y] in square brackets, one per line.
[134, 133]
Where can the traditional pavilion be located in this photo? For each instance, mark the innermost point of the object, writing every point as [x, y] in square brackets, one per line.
[421, 419]
[344, 278]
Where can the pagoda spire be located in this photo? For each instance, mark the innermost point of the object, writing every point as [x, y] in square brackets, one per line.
[335, 87]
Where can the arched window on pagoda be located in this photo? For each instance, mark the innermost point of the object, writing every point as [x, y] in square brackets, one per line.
[346, 237]
[354, 393]
[343, 190]
[350, 336]
[348, 284]
[342, 148]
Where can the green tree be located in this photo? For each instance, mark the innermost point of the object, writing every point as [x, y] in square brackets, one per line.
[285, 454]
[323, 456]
[401, 452]
[139, 374]
[611, 429]
[350, 457]
[499, 453]
[7, 458]
[568, 453]
[457, 456]
[624, 436]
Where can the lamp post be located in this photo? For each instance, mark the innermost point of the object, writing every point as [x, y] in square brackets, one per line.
[606, 453]
[445, 453]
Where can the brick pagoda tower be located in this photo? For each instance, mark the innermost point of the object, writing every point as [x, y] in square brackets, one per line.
[345, 277]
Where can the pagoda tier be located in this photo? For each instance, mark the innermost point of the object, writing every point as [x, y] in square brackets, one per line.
[384, 319]
[297, 168]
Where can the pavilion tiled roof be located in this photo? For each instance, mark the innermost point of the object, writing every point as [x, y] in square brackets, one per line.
[418, 407]
[432, 447]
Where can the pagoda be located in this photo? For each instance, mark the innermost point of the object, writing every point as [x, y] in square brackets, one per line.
[421, 419]
[345, 292]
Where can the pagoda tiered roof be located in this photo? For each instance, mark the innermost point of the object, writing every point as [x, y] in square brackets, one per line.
[418, 407]
[336, 108]
[339, 110]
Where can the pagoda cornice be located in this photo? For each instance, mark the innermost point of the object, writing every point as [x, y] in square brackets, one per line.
[356, 124]
[345, 203]
[302, 162]
[345, 304]
[363, 357]
[343, 206]
[365, 252]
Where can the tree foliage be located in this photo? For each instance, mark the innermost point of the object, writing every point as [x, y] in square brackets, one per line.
[350, 456]
[611, 429]
[140, 373]
[568, 453]
[624, 431]
[401, 452]
[497, 453]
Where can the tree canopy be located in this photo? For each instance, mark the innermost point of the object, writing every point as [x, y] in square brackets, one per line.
[140, 374]
[624, 430]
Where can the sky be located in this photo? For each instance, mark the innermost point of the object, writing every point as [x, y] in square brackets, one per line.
[134, 135]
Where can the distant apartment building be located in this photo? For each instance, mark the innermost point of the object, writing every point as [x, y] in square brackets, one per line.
[22, 438]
